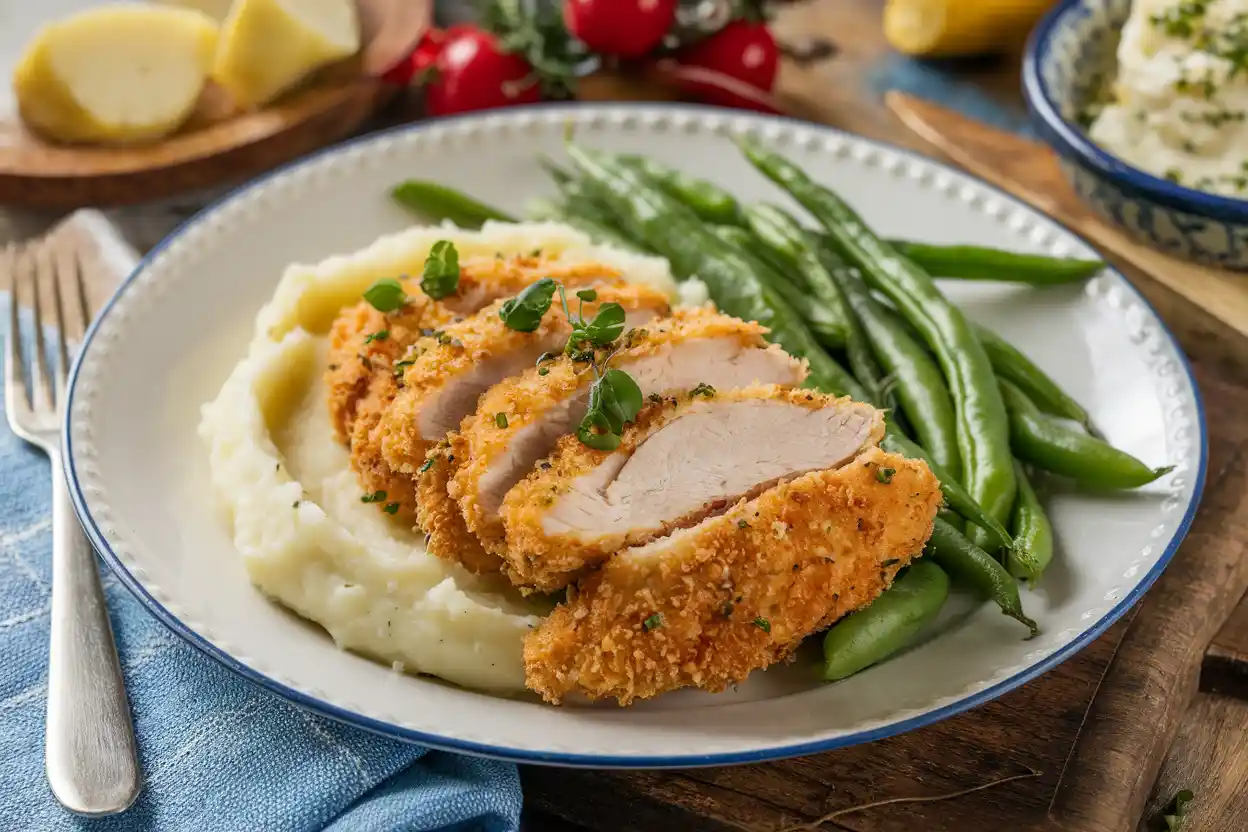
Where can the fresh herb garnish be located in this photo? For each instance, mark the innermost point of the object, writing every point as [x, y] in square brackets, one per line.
[441, 275]
[390, 508]
[703, 389]
[1176, 814]
[763, 624]
[386, 295]
[524, 312]
[741, 524]
[653, 622]
[375, 497]
[500, 419]
[401, 366]
[589, 295]
[543, 371]
[601, 331]
[379, 335]
[885, 475]
[428, 464]
[614, 399]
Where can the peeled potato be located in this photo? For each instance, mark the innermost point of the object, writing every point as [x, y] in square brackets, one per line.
[124, 73]
[268, 46]
[216, 9]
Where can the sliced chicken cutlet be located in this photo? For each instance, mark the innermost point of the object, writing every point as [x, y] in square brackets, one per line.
[446, 534]
[686, 457]
[365, 345]
[493, 452]
[708, 605]
[449, 372]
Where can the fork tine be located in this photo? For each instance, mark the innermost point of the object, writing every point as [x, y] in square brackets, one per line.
[81, 295]
[41, 385]
[14, 372]
[68, 262]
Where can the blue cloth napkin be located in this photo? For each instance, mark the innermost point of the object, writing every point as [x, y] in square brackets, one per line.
[218, 753]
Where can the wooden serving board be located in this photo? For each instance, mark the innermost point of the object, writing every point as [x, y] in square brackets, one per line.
[217, 147]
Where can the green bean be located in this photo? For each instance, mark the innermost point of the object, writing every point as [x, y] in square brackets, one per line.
[672, 230]
[437, 203]
[874, 633]
[955, 495]
[1010, 363]
[979, 263]
[706, 199]
[1052, 445]
[599, 232]
[968, 564]
[982, 424]
[825, 325]
[920, 385]
[800, 250]
[1032, 530]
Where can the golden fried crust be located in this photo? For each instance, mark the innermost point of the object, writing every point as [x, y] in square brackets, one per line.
[484, 280]
[356, 368]
[459, 347]
[438, 516]
[365, 345]
[549, 562]
[527, 398]
[740, 591]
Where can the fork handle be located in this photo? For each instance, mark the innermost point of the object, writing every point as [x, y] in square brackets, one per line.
[92, 762]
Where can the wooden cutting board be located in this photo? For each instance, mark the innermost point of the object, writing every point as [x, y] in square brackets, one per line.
[217, 146]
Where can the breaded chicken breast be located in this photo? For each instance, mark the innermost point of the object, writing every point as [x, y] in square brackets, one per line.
[687, 456]
[518, 421]
[366, 346]
[449, 372]
[439, 517]
[708, 605]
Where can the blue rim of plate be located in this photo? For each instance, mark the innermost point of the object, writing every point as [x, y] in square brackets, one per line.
[435, 741]
[1072, 142]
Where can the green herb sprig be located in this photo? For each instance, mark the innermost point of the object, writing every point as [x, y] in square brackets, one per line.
[441, 275]
[614, 397]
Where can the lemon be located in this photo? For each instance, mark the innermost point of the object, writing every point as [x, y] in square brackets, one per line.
[945, 28]
[268, 46]
[124, 73]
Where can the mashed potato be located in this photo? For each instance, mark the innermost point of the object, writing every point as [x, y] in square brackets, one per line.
[306, 538]
[1180, 106]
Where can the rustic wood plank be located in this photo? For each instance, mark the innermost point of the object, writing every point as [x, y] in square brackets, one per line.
[1226, 661]
[1208, 758]
[1153, 678]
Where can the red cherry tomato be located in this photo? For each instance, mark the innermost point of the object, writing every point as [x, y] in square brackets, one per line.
[414, 66]
[471, 72]
[743, 53]
[625, 28]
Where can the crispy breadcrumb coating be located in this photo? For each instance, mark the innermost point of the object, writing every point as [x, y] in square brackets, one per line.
[367, 348]
[463, 350]
[439, 518]
[546, 561]
[709, 605]
[533, 402]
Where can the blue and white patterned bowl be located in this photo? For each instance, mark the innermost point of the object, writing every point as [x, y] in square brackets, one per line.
[1068, 58]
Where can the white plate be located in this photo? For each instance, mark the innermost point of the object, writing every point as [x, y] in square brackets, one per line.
[168, 339]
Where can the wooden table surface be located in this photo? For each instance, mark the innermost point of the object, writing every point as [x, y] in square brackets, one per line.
[1209, 753]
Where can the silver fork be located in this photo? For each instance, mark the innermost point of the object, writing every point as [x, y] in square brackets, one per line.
[92, 762]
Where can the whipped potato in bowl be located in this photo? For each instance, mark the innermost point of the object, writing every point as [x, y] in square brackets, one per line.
[1179, 103]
